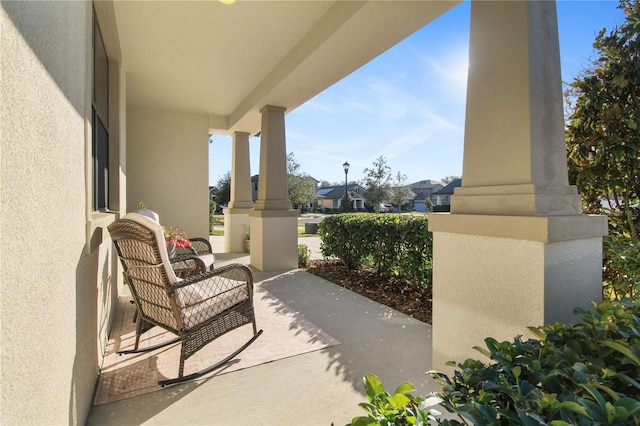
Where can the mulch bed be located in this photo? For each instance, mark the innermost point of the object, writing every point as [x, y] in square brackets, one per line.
[396, 293]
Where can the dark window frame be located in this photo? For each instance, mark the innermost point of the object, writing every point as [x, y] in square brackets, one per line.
[100, 121]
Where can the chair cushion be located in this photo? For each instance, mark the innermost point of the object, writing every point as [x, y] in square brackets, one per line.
[196, 306]
[149, 213]
[208, 260]
[158, 233]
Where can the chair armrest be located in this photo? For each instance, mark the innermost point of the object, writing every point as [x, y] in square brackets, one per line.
[201, 246]
[185, 251]
[188, 265]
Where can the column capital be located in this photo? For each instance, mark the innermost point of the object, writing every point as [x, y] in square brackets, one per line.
[241, 205]
[517, 200]
[272, 108]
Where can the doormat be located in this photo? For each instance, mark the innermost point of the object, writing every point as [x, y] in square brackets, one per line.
[286, 333]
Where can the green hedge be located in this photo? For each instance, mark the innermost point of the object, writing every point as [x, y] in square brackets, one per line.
[396, 245]
[621, 272]
[212, 212]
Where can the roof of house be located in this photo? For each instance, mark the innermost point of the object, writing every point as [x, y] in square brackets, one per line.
[336, 192]
[256, 178]
[448, 190]
[426, 184]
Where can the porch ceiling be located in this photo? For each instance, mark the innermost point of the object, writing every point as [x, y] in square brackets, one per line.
[228, 61]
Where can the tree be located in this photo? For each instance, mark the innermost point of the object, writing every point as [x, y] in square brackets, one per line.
[428, 204]
[448, 179]
[302, 187]
[377, 183]
[603, 135]
[400, 192]
[292, 165]
[603, 145]
[222, 189]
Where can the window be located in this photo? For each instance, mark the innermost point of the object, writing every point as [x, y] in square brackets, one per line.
[100, 121]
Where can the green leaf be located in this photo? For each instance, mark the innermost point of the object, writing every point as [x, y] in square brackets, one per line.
[619, 80]
[370, 409]
[364, 421]
[405, 388]
[526, 418]
[574, 407]
[629, 380]
[614, 395]
[399, 400]
[483, 351]
[430, 402]
[632, 406]
[622, 349]
[539, 334]
[372, 386]
[597, 396]
[517, 370]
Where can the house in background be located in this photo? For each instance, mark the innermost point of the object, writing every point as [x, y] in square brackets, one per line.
[443, 195]
[424, 189]
[255, 180]
[332, 197]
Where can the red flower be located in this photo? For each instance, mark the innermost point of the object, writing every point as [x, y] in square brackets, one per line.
[176, 237]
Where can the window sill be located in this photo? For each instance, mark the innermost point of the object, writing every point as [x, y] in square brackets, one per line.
[97, 228]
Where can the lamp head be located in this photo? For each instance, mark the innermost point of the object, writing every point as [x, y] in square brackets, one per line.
[345, 166]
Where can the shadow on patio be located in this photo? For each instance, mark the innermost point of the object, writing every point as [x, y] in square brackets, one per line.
[316, 388]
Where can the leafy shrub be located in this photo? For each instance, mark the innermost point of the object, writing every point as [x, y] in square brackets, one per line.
[212, 212]
[400, 409]
[397, 245]
[582, 374]
[303, 255]
[621, 272]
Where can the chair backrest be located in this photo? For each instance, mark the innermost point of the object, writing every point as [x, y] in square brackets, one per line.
[140, 245]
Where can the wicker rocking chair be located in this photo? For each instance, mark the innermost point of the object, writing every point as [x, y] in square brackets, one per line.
[200, 247]
[198, 309]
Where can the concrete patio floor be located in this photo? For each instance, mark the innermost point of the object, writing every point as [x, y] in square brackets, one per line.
[316, 388]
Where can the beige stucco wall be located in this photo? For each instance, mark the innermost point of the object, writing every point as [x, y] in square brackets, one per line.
[490, 286]
[48, 281]
[274, 239]
[167, 166]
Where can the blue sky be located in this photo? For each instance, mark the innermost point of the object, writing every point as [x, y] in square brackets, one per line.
[408, 104]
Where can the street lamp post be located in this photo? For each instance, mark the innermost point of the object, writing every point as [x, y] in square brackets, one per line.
[346, 196]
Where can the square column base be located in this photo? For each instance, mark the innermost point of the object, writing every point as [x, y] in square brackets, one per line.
[234, 232]
[497, 285]
[274, 239]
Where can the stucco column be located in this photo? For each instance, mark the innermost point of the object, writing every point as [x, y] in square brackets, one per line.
[515, 250]
[274, 232]
[236, 216]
